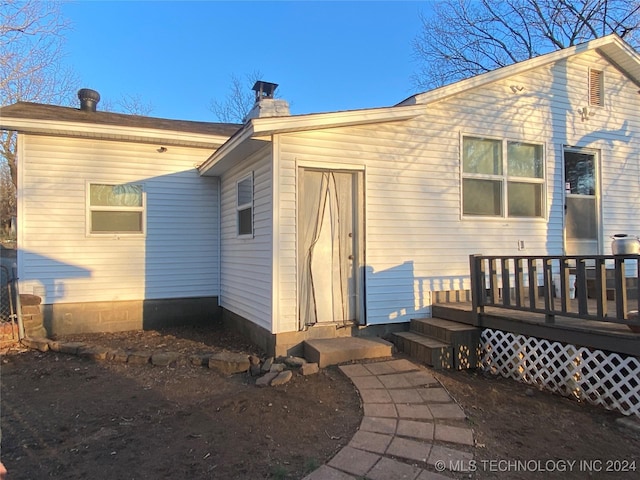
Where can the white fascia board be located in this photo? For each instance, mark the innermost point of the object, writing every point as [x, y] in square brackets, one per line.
[226, 149]
[268, 126]
[111, 132]
[608, 44]
[263, 129]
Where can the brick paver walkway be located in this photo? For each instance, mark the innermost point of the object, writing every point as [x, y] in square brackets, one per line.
[411, 428]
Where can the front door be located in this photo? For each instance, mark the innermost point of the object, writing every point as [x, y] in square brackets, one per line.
[329, 246]
[581, 223]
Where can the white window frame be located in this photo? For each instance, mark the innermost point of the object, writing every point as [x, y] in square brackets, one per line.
[504, 178]
[108, 208]
[242, 207]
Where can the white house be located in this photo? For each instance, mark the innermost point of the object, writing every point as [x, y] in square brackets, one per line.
[298, 226]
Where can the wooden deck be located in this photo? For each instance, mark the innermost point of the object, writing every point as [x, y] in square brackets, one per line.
[581, 300]
[607, 336]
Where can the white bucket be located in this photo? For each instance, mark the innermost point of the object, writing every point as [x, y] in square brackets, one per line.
[572, 286]
[558, 288]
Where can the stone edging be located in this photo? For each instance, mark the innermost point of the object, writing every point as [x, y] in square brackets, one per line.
[268, 372]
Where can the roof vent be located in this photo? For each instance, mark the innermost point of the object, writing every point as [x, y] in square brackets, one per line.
[88, 99]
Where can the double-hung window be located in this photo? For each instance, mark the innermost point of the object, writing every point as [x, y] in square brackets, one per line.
[244, 205]
[115, 209]
[502, 178]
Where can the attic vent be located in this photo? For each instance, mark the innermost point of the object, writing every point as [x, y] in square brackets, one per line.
[596, 88]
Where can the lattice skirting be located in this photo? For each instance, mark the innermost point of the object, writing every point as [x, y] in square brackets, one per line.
[601, 378]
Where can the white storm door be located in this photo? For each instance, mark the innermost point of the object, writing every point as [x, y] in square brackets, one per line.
[582, 217]
[328, 246]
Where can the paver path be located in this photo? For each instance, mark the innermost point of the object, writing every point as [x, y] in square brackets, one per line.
[411, 428]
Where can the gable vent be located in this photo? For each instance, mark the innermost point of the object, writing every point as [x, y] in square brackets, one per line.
[596, 88]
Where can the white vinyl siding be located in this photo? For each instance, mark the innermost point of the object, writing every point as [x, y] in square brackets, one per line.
[246, 260]
[416, 240]
[57, 259]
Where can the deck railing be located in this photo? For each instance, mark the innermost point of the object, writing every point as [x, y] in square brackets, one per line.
[603, 288]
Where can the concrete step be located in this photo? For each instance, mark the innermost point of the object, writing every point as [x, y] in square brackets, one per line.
[426, 350]
[464, 339]
[333, 351]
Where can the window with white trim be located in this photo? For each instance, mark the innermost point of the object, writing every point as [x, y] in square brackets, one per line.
[244, 207]
[116, 209]
[502, 178]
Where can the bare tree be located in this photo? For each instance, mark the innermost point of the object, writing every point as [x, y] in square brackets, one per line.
[133, 104]
[463, 38]
[31, 41]
[238, 101]
[8, 202]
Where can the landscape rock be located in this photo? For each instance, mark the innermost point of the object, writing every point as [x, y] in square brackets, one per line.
[36, 343]
[229, 363]
[265, 380]
[69, 347]
[266, 366]
[117, 356]
[199, 360]
[138, 358]
[254, 360]
[93, 353]
[277, 367]
[164, 359]
[255, 370]
[294, 362]
[282, 378]
[309, 369]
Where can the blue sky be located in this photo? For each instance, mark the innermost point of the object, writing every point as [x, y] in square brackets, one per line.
[178, 56]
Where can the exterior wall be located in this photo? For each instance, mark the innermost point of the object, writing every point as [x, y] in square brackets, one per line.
[246, 263]
[58, 261]
[416, 239]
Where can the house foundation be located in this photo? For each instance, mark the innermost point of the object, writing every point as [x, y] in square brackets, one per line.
[292, 343]
[98, 317]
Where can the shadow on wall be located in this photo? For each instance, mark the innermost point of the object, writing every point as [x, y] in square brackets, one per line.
[397, 295]
[49, 284]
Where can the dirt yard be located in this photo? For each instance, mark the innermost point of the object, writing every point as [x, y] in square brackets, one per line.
[72, 418]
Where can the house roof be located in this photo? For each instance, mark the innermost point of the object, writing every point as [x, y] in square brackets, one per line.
[612, 47]
[258, 131]
[39, 118]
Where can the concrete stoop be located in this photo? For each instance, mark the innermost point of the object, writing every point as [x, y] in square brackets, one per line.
[440, 343]
[333, 351]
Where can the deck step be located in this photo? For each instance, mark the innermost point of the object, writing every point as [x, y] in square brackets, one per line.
[333, 351]
[426, 350]
[454, 312]
[445, 330]
[462, 341]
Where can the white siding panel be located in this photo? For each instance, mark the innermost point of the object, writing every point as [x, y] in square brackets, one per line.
[416, 240]
[176, 258]
[247, 262]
